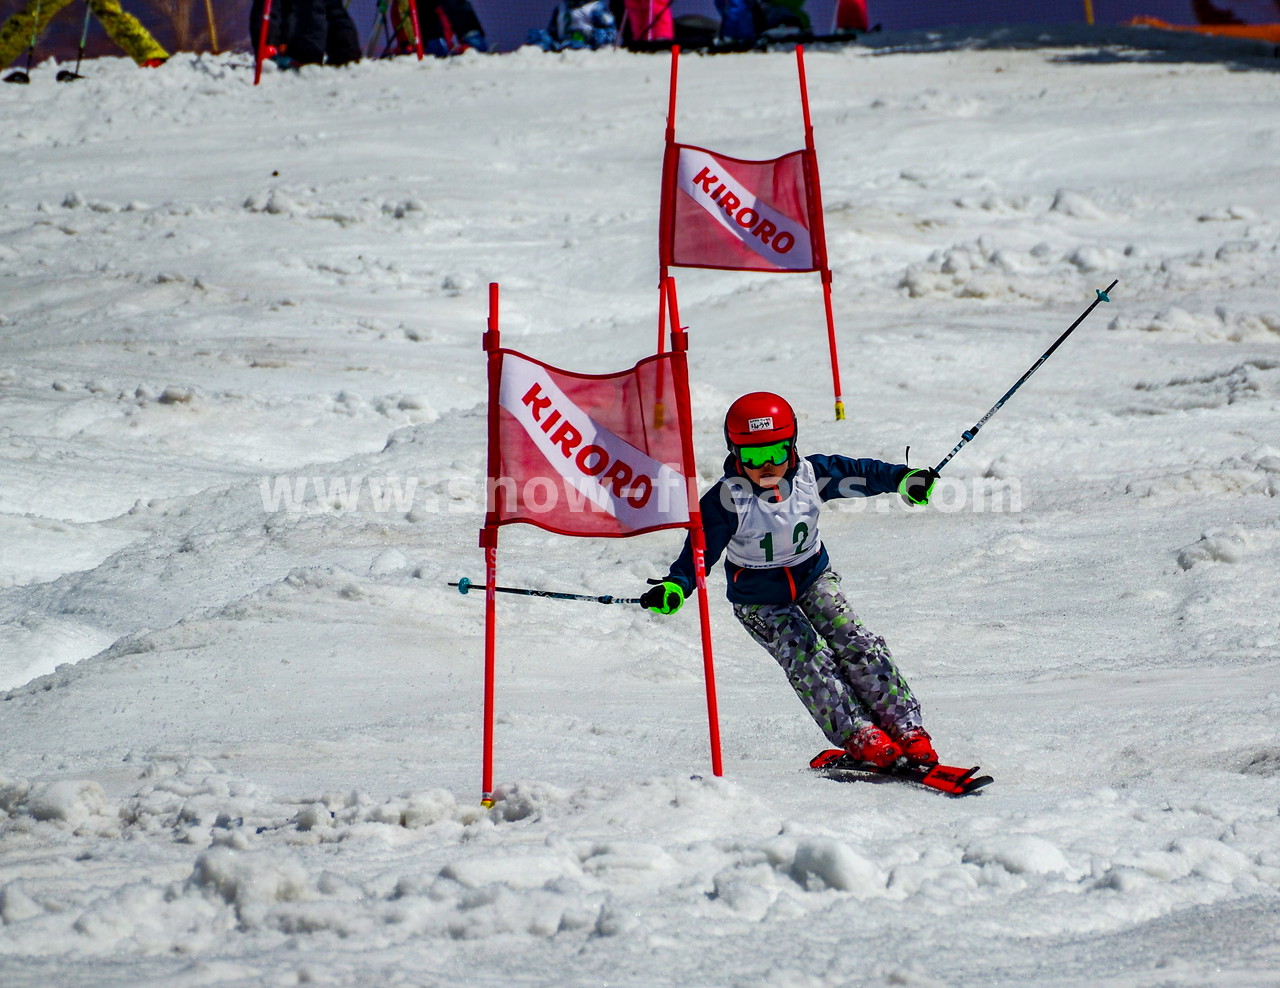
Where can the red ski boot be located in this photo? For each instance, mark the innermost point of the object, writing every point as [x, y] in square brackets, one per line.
[870, 744]
[918, 746]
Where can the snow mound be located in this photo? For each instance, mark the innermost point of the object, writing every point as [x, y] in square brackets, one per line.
[1077, 205]
[79, 805]
[250, 882]
[1220, 326]
[1019, 854]
[1225, 548]
[983, 270]
[819, 864]
[1248, 381]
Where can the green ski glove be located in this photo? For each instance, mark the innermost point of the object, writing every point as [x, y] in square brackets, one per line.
[665, 598]
[917, 485]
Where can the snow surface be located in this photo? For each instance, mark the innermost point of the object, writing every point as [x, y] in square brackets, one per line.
[240, 727]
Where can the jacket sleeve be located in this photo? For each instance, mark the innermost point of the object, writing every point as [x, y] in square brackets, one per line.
[845, 476]
[719, 522]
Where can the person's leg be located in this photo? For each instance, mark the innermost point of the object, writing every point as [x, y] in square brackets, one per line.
[865, 663]
[29, 23]
[127, 32]
[309, 33]
[342, 40]
[862, 658]
[786, 634]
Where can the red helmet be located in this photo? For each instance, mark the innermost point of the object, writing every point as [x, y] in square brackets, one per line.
[759, 419]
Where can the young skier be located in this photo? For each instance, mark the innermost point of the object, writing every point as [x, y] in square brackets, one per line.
[763, 515]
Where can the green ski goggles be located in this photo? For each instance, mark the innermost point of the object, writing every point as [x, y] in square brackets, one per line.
[759, 456]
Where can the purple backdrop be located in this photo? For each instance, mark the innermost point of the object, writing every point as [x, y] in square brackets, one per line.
[507, 22]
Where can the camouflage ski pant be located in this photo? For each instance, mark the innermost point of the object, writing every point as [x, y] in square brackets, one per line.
[843, 673]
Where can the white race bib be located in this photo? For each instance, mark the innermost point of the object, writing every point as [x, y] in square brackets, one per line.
[775, 533]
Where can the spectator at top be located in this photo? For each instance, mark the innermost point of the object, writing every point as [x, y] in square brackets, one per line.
[577, 24]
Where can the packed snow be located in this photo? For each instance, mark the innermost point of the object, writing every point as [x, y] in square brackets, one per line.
[243, 454]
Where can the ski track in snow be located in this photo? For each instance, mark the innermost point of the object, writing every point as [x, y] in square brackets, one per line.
[242, 451]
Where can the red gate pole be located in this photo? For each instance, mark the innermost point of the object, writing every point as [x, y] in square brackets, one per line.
[489, 543]
[815, 218]
[417, 31]
[667, 205]
[262, 41]
[680, 375]
[666, 224]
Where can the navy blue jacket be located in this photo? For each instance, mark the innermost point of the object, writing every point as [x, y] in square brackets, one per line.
[840, 476]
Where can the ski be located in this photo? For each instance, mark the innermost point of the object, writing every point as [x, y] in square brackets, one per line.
[839, 765]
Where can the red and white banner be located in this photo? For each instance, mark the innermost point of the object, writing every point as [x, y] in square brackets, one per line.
[591, 455]
[722, 212]
[740, 215]
[605, 455]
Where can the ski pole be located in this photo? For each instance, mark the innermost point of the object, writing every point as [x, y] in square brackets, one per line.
[464, 585]
[968, 435]
[372, 44]
[64, 75]
[18, 76]
[388, 36]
